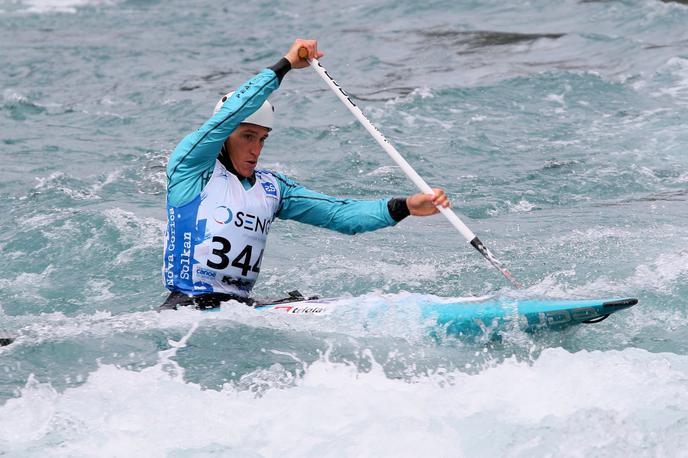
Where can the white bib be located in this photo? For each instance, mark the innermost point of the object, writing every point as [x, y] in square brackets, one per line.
[215, 243]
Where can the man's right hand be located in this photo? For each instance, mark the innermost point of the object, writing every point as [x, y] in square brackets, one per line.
[293, 54]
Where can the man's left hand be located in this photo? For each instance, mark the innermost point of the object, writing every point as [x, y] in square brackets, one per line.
[425, 204]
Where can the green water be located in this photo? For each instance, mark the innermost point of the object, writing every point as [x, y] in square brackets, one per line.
[558, 130]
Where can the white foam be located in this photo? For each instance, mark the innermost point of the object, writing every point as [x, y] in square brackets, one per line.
[56, 181]
[141, 233]
[677, 68]
[111, 177]
[587, 403]
[100, 290]
[667, 270]
[384, 170]
[62, 6]
[12, 96]
[523, 206]
[557, 98]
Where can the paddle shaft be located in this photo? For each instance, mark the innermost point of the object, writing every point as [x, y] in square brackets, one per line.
[407, 169]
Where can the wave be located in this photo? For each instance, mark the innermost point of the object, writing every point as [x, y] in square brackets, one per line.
[61, 6]
[560, 402]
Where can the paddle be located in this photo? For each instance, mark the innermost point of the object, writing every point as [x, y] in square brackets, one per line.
[408, 170]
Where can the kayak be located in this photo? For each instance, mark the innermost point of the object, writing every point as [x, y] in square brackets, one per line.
[463, 317]
[475, 316]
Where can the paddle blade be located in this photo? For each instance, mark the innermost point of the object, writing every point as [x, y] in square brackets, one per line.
[482, 249]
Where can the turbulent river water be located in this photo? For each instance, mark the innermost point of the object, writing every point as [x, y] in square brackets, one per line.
[557, 128]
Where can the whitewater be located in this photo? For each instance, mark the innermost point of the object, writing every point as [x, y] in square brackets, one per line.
[557, 129]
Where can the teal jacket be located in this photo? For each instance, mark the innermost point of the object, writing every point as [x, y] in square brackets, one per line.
[192, 162]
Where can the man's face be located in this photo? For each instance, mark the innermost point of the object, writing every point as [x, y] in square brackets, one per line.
[244, 146]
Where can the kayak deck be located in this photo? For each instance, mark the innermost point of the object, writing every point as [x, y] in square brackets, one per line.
[478, 316]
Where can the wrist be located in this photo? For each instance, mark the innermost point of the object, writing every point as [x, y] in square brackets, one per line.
[398, 208]
[281, 68]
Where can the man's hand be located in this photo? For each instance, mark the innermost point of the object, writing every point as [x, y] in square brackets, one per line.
[425, 204]
[293, 54]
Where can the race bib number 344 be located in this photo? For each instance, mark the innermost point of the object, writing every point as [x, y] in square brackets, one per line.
[221, 249]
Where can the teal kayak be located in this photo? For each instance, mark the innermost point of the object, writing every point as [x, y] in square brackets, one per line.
[474, 316]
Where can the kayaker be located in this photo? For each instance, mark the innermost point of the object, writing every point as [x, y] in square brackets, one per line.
[220, 207]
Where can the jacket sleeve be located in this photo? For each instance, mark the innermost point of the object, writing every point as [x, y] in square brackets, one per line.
[348, 216]
[193, 160]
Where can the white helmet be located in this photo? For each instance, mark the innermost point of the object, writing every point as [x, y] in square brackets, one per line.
[264, 116]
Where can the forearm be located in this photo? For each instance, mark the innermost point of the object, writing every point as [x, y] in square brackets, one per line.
[348, 216]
